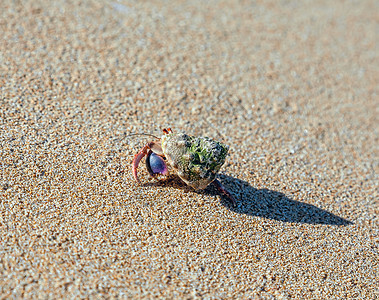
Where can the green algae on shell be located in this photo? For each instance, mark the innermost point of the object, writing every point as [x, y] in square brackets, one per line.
[196, 160]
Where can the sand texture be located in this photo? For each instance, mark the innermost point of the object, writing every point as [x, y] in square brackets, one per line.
[290, 86]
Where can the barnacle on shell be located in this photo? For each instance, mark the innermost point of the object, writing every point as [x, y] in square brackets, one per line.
[196, 160]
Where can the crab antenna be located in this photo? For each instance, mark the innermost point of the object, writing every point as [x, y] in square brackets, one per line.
[146, 134]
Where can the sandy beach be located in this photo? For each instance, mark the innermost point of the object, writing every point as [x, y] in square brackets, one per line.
[291, 87]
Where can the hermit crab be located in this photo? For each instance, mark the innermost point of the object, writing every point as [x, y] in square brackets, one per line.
[196, 160]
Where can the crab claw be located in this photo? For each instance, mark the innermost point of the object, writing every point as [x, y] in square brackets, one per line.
[155, 164]
[154, 147]
[137, 159]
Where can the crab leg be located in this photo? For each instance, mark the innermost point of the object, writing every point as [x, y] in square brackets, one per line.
[224, 191]
[137, 159]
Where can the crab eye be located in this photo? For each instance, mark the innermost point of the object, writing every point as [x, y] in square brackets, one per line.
[155, 164]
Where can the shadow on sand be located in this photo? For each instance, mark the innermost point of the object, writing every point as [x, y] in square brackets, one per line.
[262, 202]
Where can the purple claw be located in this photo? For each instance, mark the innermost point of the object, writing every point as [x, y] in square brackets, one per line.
[156, 164]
